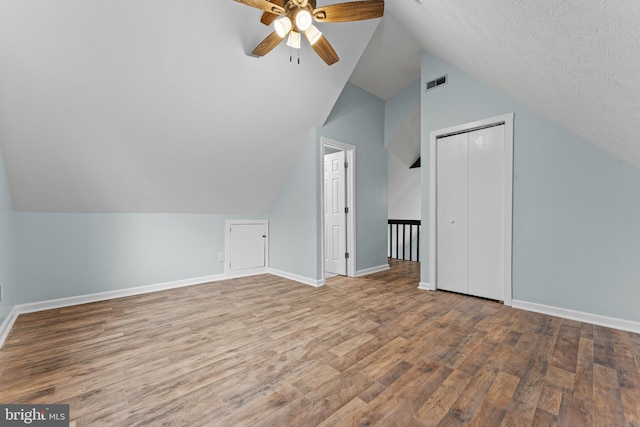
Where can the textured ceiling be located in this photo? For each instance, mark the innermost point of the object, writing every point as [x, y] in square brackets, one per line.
[155, 105]
[577, 62]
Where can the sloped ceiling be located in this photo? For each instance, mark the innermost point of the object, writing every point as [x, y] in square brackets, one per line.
[405, 141]
[391, 60]
[575, 61]
[155, 105]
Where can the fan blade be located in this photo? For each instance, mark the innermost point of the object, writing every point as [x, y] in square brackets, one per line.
[265, 5]
[325, 51]
[347, 12]
[267, 44]
[268, 17]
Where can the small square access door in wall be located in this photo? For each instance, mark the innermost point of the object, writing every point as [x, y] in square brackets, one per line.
[246, 247]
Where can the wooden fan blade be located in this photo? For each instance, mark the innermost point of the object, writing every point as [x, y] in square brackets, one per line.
[268, 17]
[325, 51]
[347, 12]
[265, 5]
[267, 44]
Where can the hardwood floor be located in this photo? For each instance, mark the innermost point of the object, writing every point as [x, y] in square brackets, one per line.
[265, 351]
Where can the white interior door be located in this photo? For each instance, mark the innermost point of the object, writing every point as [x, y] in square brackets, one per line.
[470, 212]
[335, 235]
[487, 212]
[452, 213]
[246, 250]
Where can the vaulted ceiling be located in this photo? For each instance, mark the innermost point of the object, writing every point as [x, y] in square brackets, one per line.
[156, 105]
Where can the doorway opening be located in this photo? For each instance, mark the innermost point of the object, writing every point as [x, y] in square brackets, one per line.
[338, 213]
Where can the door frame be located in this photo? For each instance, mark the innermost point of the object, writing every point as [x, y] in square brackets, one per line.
[507, 121]
[227, 241]
[350, 177]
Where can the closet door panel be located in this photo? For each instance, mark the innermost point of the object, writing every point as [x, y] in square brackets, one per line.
[452, 213]
[487, 212]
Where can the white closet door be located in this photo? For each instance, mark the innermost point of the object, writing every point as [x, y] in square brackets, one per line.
[452, 213]
[487, 212]
[470, 214]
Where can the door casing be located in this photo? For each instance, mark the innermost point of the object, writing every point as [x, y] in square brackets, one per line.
[507, 120]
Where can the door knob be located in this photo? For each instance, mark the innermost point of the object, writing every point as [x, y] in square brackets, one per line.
[452, 221]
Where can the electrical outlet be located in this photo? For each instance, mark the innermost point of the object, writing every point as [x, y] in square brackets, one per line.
[221, 256]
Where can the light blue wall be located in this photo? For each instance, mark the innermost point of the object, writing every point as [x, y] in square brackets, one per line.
[7, 246]
[294, 245]
[398, 107]
[576, 238]
[358, 119]
[64, 254]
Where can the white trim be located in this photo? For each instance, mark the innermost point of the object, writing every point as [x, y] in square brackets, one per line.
[248, 272]
[350, 155]
[296, 278]
[507, 120]
[508, 209]
[372, 270]
[7, 324]
[103, 296]
[580, 316]
[426, 286]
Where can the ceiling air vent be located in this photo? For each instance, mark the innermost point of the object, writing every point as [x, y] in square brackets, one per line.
[435, 83]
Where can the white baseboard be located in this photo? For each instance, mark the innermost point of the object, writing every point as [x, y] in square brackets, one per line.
[426, 286]
[245, 273]
[372, 270]
[102, 296]
[594, 319]
[297, 278]
[7, 324]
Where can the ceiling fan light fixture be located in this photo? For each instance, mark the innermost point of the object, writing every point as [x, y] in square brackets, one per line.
[313, 34]
[303, 20]
[282, 26]
[294, 17]
[294, 40]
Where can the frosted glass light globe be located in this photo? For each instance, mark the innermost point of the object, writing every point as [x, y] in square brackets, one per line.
[303, 20]
[282, 26]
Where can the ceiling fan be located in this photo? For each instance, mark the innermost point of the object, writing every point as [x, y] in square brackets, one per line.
[293, 17]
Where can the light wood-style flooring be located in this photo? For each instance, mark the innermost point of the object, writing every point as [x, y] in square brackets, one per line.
[265, 351]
